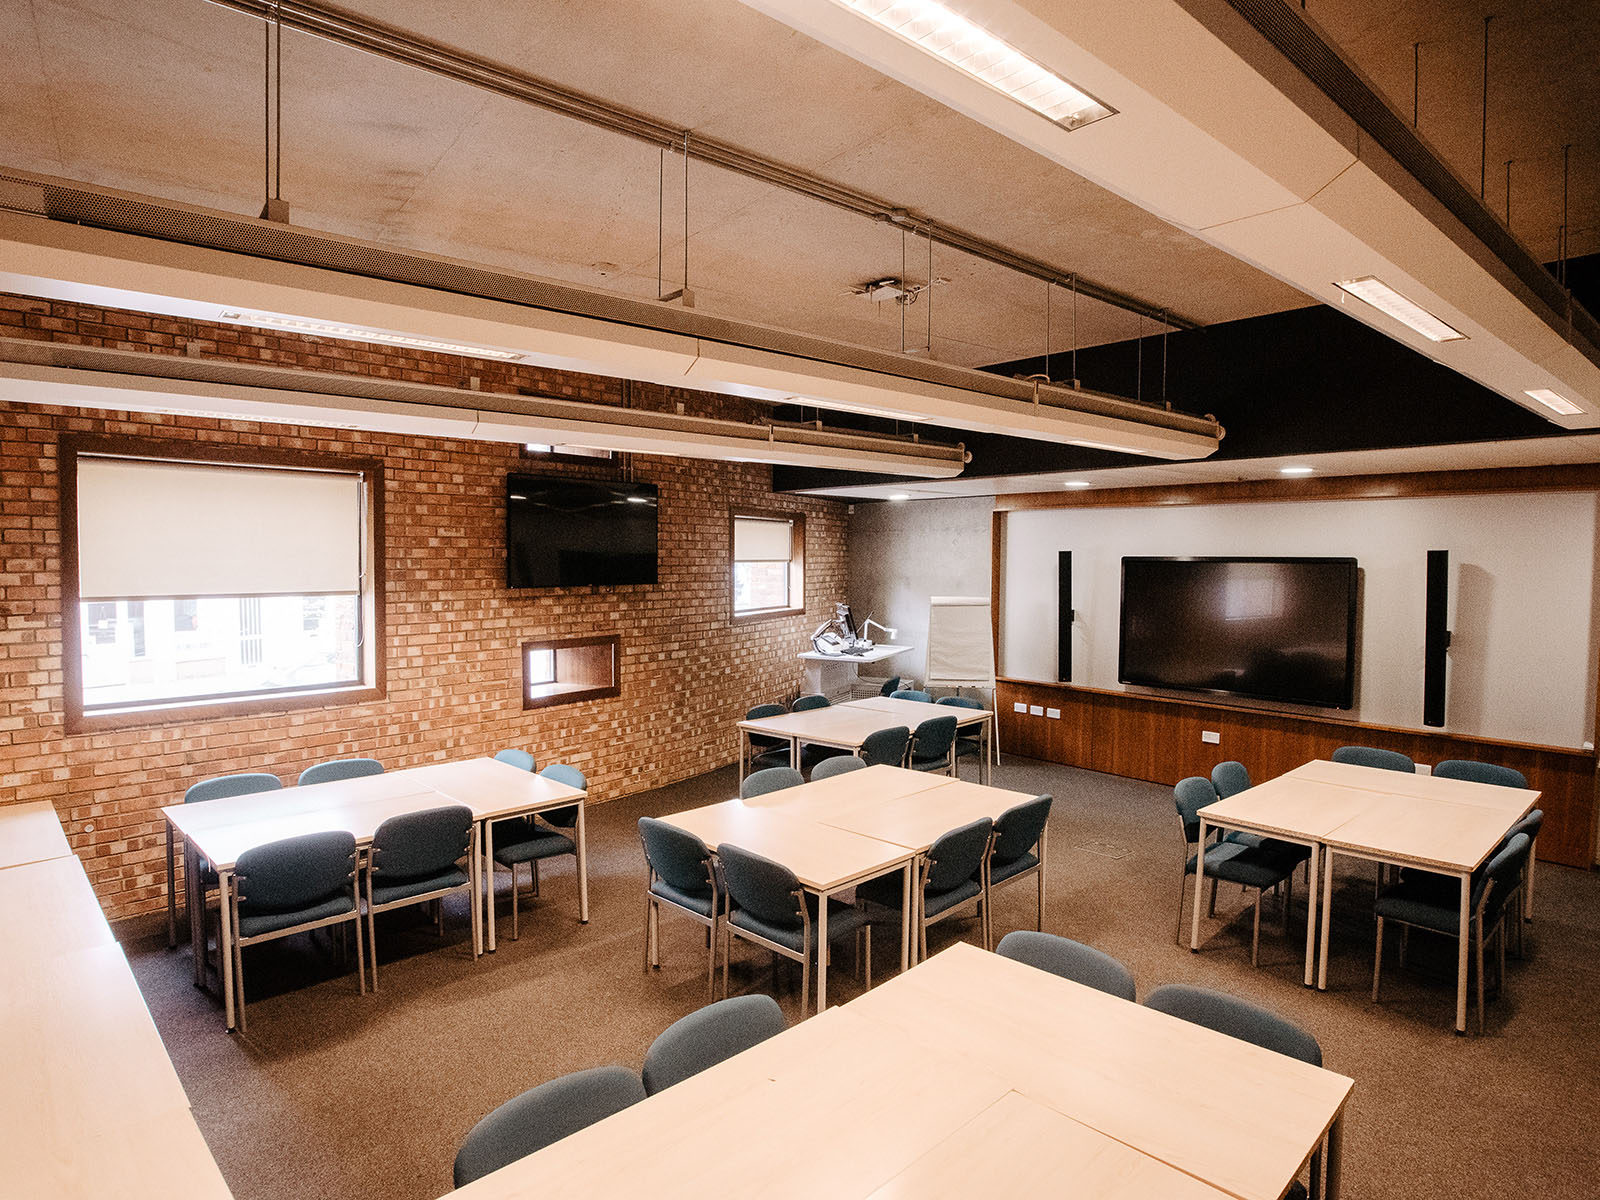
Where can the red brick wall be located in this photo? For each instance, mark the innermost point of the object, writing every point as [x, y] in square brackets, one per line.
[453, 630]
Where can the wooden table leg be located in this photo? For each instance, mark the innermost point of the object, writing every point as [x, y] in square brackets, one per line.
[225, 947]
[583, 866]
[1199, 889]
[1311, 915]
[1327, 916]
[1461, 956]
[172, 895]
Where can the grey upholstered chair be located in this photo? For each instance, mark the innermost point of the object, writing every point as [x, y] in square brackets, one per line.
[767, 751]
[841, 764]
[952, 874]
[1070, 960]
[1420, 903]
[1371, 756]
[196, 869]
[767, 906]
[291, 886]
[542, 1116]
[933, 746]
[520, 759]
[1017, 852]
[969, 742]
[890, 686]
[1480, 772]
[1239, 1019]
[682, 876]
[417, 857]
[528, 840]
[1258, 867]
[911, 694]
[339, 768]
[708, 1036]
[1230, 778]
[807, 703]
[773, 779]
[886, 747]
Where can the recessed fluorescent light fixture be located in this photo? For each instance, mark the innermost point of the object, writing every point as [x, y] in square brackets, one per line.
[354, 334]
[1295, 470]
[900, 496]
[1373, 291]
[1554, 401]
[974, 51]
[1076, 483]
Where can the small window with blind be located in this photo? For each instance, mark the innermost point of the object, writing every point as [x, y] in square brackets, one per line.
[216, 585]
[768, 564]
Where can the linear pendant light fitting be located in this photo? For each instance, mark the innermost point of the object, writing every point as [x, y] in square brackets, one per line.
[973, 50]
[353, 334]
[1554, 401]
[1371, 290]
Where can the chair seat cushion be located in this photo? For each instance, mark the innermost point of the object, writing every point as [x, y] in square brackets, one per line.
[999, 872]
[254, 924]
[1422, 903]
[699, 902]
[1249, 866]
[930, 764]
[404, 889]
[843, 919]
[544, 843]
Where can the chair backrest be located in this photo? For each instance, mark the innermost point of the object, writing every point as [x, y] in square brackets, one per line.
[1070, 960]
[1530, 825]
[572, 777]
[806, 703]
[839, 764]
[1371, 756]
[910, 694]
[1236, 1018]
[1019, 828]
[340, 768]
[886, 747]
[1191, 795]
[517, 758]
[296, 872]
[766, 890]
[890, 686]
[415, 845]
[223, 786]
[544, 1115]
[708, 1036]
[933, 739]
[765, 710]
[959, 701]
[1503, 869]
[1229, 778]
[678, 856]
[773, 779]
[1480, 772]
[956, 856]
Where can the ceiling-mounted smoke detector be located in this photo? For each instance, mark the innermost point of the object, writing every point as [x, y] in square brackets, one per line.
[892, 288]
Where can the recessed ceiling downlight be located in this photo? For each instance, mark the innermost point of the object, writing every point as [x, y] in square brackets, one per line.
[1554, 401]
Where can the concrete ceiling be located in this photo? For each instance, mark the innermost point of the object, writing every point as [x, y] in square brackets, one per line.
[165, 97]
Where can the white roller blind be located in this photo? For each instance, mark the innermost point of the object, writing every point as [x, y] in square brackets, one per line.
[181, 529]
[960, 641]
[757, 540]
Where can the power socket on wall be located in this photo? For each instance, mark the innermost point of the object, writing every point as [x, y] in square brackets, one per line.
[1211, 737]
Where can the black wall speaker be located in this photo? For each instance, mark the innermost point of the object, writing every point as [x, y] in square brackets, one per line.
[1436, 637]
[1064, 616]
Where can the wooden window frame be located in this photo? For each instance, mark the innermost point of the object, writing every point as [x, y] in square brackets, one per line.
[191, 709]
[797, 563]
[583, 655]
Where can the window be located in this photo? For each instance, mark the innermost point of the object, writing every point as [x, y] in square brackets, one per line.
[570, 669]
[768, 563]
[216, 586]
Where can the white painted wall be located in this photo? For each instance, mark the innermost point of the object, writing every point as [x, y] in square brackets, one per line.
[1523, 596]
[901, 554]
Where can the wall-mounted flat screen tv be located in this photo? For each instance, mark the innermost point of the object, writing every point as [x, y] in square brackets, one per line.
[577, 532]
[1265, 628]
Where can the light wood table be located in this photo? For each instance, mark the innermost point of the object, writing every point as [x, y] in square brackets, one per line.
[837, 1106]
[221, 830]
[50, 909]
[826, 860]
[1435, 835]
[1292, 809]
[847, 726]
[31, 833]
[913, 712]
[1512, 801]
[1125, 1071]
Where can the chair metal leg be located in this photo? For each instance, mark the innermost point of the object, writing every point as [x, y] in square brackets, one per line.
[516, 932]
[238, 970]
[533, 869]
[649, 908]
[1478, 955]
[1405, 944]
[1288, 901]
[1255, 932]
[1183, 887]
[711, 959]
[1377, 961]
[1211, 905]
[372, 935]
[868, 929]
[805, 978]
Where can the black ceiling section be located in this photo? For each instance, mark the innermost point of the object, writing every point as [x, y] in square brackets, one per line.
[1308, 381]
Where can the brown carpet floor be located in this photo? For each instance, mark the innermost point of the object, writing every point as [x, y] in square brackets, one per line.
[334, 1094]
